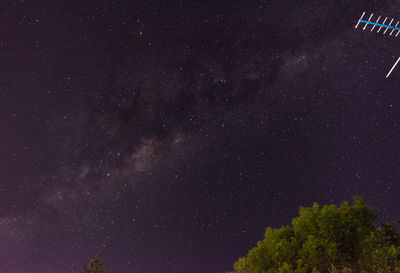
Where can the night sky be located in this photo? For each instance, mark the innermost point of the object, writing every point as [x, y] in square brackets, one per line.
[167, 135]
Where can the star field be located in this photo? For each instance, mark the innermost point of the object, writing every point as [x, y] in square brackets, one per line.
[166, 135]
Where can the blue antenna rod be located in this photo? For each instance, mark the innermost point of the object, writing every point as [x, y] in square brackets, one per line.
[373, 23]
[380, 26]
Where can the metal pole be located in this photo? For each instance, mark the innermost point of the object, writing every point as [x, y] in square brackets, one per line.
[393, 67]
[360, 19]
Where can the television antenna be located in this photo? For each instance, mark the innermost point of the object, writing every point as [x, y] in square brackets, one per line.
[378, 26]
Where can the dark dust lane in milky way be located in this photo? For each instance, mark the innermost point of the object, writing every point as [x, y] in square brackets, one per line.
[166, 135]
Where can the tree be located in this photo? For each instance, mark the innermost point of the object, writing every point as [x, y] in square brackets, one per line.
[95, 265]
[328, 239]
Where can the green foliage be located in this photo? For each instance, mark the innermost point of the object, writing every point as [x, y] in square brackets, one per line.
[95, 265]
[278, 250]
[328, 239]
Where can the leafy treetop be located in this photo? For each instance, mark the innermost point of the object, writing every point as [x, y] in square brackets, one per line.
[326, 240]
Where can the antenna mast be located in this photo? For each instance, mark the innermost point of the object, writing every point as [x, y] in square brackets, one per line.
[379, 26]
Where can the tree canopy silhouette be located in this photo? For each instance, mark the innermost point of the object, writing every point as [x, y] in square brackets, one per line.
[95, 265]
[330, 239]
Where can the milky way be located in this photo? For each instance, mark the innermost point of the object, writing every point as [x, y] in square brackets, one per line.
[166, 135]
